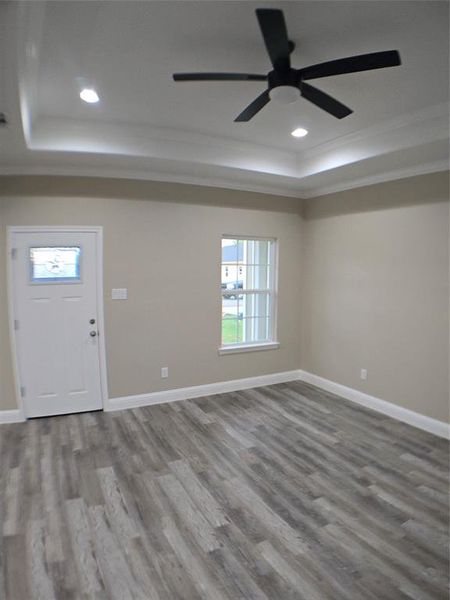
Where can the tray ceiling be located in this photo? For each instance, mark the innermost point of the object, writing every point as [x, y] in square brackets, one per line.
[149, 127]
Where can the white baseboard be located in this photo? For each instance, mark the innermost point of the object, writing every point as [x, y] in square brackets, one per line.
[198, 391]
[405, 415]
[11, 416]
[387, 408]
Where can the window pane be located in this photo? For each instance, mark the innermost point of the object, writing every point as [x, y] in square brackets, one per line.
[232, 251]
[227, 275]
[231, 330]
[240, 251]
[262, 252]
[255, 329]
[257, 252]
[255, 277]
[231, 306]
[231, 278]
[49, 264]
[231, 320]
[255, 305]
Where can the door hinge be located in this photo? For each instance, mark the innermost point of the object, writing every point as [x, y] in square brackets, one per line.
[13, 253]
[16, 324]
[22, 391]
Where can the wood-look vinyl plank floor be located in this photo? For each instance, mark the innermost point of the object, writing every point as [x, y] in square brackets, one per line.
[277, 493]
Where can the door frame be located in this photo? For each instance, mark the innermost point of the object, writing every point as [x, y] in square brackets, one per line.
[98, 230]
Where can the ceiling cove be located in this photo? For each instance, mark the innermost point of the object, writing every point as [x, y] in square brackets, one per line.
[145, 126]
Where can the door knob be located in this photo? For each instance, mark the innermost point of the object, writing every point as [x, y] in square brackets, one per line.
[93, 333]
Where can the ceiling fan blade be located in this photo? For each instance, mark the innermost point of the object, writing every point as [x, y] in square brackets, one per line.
[352, 64]
[218, 77]
[273, 29]
[253, 108]
[324, 101]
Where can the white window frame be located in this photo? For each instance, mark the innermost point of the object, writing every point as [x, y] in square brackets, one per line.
[272, 343]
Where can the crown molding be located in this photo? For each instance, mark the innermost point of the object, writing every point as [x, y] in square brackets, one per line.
[153, 143]
[436, 111]
[249, 168]
[56, 134]
[111, 173]
[432, 167]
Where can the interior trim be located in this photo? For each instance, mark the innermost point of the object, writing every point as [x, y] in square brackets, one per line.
[237, 348]
[273, 190]
[149, 175]
[197, 391]
[11, 416]
[434, 426]
[425, 169]
[394, 411]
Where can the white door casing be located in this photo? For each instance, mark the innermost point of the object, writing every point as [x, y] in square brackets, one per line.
[59, 353]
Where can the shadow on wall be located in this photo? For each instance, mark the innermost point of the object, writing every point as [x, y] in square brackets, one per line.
[423, 189]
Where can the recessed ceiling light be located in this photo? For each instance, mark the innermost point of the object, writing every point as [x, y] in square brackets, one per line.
[89, 95]
[299, 132]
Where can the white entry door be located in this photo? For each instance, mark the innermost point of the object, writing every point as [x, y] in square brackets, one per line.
[55, 306]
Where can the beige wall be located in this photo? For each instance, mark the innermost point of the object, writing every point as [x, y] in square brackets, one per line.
[150, 231]
[376, 291]
[363, 281]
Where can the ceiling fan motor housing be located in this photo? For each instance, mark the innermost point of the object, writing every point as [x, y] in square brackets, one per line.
[277, 78]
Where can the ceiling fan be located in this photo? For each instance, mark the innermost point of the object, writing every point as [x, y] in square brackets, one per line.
[286, 84]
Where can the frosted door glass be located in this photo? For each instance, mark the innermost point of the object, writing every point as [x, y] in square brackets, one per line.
[55, 264]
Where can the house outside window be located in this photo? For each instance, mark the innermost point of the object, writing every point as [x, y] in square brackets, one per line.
[248, 290]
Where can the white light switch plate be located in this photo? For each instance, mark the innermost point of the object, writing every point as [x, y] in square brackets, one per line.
[119, 294]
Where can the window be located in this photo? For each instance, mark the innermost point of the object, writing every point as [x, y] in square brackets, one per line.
[248, 293]
[55, 264]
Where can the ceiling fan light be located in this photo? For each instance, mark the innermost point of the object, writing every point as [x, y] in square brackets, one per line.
[285, 94]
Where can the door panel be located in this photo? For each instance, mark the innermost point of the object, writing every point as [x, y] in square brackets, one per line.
[55, 297]
[75, 360]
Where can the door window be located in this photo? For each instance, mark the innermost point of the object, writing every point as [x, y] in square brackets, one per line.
[56, 264]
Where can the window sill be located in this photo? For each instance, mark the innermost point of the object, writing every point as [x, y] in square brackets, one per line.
[248, 348]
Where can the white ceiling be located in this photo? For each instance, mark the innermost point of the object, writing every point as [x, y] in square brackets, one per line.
[146, 126]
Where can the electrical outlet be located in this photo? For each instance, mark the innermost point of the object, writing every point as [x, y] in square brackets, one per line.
[164, 372]
[364, 374]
